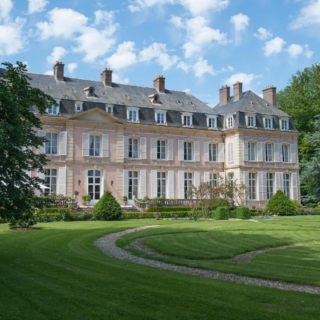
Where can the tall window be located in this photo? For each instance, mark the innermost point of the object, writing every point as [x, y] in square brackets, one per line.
[268, 123]
[132, 184]
[212, 152]
[285, 153]
[251, 121]
[251, 151]
[229, 122]
[212, 122]
[252, 186]
[269, 185]
[94, 146]
[161, 150]
[133, 148]
[52, 143]
[213, 179]
[187, 151]
[94, 184]
[132, 115]
[50, 176]
[269, 155]
[187, 184]
[161, 184]
[286, 184]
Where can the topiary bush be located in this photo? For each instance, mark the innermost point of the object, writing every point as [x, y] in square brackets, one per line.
[107, 208]
[280, 204]
[220, 202]
[221, 213]
[243, 213]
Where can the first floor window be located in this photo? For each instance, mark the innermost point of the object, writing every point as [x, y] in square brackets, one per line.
[285, 153]
[94, 184]
[187, 184]
[252, 186]
[161, 184]
[50, 176]
[94, 146]
[269, 156]
[213, 179]
[133, 148]
[132, 184]
[251, 151]
[132, 115]
[187, 151]
[51, 143]
[161, 150]
[286, 184]
[212, 152]
[269, 185]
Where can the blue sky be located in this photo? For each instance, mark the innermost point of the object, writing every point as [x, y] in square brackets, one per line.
[198, 45]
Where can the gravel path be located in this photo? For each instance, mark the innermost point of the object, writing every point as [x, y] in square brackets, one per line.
[108, 245]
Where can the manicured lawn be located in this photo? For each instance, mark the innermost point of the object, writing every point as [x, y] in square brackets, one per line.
[55, 272]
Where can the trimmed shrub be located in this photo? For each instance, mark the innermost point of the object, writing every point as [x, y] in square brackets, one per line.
[243, 213]
[232, 213]
[159, 215]
[219, 202]
[296, 203]
[168, 209]
[280, 204]
[107, 208]
[221, 213]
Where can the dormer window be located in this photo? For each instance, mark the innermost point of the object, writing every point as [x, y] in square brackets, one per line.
[54, 109]
[251, 120]
[154, 98]
[212, 122]
[133, 114]
[160, 117]
[179, 102]
[229, 121]
[186, 119]
[109, 109]
[78, 106]
[284, 124]
[89, 91]
[268, 123]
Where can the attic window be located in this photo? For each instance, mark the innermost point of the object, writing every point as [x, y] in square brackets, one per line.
[191, 103]
[154, 98]
[90, 91]
[109, 109]
[78, 106]
[127, 97]
[178, 102]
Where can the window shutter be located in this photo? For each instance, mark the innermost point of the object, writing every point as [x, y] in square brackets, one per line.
[246, 182]
[277, 152]
[58, 108]
[40, 176]
[279, 181]
[222, 177]
[206, 176]
[170, 184]
[221, 152]
[293, 153]
[206, 151]
[143, 148]
[294, 180]
[181, 151]
[153, 149]
[125, 182]
[85, 144]
[101, 184]
[62, 181]
[262, 185]
[143, 186]
[245, 150]
[125, 147]
[42, 133]
[261, 148]
[154, 184]
[63, 143]
[196, 151]
[197, 179]
[170, 147]
[105, 145]
[181, 184]
[230, 151]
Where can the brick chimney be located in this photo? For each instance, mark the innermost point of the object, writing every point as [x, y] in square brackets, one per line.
[158, 83]
[106, 77]
[269, 94]
[224, 94]
[58, 71]
[237, 91]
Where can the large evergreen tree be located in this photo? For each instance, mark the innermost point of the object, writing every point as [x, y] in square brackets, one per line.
[17, 137]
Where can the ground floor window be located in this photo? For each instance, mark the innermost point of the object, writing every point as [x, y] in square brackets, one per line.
[187, 184]
[286, 184]
[213, 180]
[94, 184]
[269, 185]
[50, 176]
[132, 184]
[161, 184]
[252, 186]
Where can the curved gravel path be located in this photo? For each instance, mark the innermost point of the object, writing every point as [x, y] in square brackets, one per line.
[108, 245]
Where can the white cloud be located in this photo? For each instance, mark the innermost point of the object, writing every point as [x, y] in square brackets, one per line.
[11, 37]
[124, 56]
[56, 54]
[176, 21]
[201, 67]
[49, 73]
[309, 15]
[263, 34]
[158, 51]
[240, 22]
[102, 16]
[183, 66]
[71, 67]
[273, 46]
[5, 8]
[36, 5]
[138, 5]
[307, 52]
[295, 50]
[118, 79]
[245, 78]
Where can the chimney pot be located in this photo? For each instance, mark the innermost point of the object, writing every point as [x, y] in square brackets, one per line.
[270, 95]
[224, 94]
[237, 91]
[106, 77]
[159, 83]
[58, 71]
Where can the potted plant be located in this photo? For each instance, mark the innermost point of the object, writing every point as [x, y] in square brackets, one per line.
[125, 200]
[76, 193]
[86, 199]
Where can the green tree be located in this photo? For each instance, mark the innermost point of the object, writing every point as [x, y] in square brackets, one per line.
[17, 137]
[280, 204]
[107, 208]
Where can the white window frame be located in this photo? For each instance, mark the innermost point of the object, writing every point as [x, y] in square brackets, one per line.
[266, 152]
[285, 153]
[284, 122]
[286, 184]
[95, 136]
[130, 141]
[269, 184]
[213, 152]
[252, 176]
[78, 106]
[229, 121]
[268, 120]
[50, 141]
[184, 121]
[252, 153]
[50, 176]
[211, 119]
[109, 109]
[161, 114]
[187, 178]
[54, 110]
[160, 145]
[251, 118]
[130, 112]
[186, 148]
[213, 179]
[161, 184]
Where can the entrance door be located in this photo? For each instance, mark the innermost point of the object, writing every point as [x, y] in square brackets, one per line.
[94, 185]
[132, 186]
